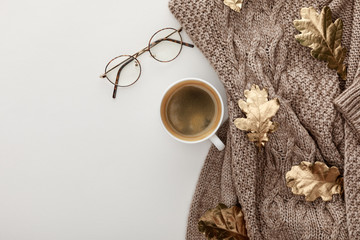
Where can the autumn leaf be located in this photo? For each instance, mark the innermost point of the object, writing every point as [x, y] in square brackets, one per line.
[323, 36]
[235, 5]
[259, 112]
[314, 180]
[223, 223]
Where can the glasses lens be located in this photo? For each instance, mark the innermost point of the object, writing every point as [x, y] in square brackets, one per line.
[165, 45]
[126, 67]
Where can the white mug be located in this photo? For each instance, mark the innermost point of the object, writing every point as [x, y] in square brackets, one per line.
[195, 87]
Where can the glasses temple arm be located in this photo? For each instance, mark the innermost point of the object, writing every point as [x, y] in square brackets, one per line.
[118, 74]
[188, 44]
[185, 43]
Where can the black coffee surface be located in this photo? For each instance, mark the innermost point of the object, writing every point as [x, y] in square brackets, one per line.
[191, 111]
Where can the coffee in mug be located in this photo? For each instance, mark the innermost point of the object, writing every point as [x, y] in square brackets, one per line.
[191, 111]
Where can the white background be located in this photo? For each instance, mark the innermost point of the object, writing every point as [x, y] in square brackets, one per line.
[75, 163]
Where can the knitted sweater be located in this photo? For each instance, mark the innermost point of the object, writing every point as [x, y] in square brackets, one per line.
[319, 117]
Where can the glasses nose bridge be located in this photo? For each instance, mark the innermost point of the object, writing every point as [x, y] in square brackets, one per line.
[145, 49]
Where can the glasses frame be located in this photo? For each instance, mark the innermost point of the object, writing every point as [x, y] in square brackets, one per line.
[134, 57]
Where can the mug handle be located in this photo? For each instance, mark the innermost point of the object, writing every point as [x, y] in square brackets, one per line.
[217, 142]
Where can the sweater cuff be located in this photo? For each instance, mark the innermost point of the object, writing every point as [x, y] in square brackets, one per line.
[348, 103]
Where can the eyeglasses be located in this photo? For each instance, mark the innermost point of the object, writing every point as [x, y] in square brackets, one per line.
[164, 46]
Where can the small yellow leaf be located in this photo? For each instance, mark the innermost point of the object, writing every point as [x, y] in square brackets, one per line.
[223, 223]
[235, 5]
[323, 36]
[259, 112]
[314, 180]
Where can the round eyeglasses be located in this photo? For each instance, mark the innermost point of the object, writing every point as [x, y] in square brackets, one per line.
[164, 46]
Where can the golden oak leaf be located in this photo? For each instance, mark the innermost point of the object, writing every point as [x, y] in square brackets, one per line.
[235, 5]
[259, 112]
[314, 180]
[323, 36]
[223, 223]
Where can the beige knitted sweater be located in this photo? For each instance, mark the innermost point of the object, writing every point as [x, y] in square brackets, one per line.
[319, 117]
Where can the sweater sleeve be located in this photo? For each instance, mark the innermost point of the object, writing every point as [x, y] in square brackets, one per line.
[348, 103]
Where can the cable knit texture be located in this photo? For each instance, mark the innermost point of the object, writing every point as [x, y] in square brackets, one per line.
[319, 117]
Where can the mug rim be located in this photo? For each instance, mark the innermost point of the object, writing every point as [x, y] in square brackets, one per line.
[221, 103]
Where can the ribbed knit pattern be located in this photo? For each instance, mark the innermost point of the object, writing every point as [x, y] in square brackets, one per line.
[318, 122]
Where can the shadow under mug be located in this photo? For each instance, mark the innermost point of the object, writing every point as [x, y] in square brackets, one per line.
[191, 111]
